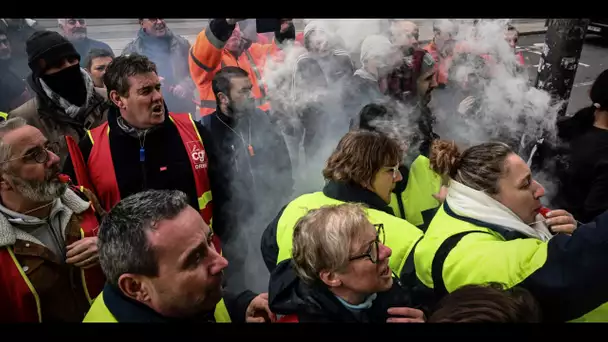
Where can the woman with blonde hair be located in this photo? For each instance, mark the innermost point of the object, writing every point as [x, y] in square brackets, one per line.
[339, 272]
[492, 227]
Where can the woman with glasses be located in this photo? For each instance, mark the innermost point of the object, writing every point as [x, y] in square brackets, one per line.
[492, 227]
[364, 168]
[339, 272]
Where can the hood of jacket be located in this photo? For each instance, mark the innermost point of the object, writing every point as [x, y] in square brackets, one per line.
[9, 234]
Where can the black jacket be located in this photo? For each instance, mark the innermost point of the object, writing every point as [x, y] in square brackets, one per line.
[166, 166]
[583, 167]
[246, 186]
[288, 295]
[126, 310]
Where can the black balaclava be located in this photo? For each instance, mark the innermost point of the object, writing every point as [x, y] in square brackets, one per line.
[69, 84]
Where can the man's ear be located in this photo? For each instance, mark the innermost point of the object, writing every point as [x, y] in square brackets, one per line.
[117, 99]
[223, 98]
[134, 287]
[330, 279]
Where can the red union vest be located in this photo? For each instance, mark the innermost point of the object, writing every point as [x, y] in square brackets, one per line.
[19, 299]
[97, 172]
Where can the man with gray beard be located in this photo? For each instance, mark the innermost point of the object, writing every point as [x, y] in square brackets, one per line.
[49, 268]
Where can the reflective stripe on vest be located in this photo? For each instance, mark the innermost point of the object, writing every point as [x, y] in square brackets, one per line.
[258, 76]
[400, 236]
[418, 197]
[3, 115]
[99, 312]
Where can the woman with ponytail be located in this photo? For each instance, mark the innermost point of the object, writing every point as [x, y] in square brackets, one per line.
[583, 184]
[492, 228]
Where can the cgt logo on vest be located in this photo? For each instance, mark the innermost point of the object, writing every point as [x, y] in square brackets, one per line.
[197, 154]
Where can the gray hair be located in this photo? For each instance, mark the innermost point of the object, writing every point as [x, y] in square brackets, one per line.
[123, 244]
[322, 239]
[5, 149]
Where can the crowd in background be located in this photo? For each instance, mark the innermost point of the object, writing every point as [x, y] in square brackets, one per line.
[169, 183]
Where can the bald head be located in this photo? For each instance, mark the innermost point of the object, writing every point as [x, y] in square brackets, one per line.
[404, 33]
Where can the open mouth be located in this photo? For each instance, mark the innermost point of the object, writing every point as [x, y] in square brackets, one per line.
[157, 109]
[386, 272]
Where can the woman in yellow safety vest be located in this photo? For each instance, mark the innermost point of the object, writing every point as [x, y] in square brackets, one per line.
[362, 169]
[493, 228]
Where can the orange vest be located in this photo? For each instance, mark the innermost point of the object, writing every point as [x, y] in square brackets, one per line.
[206, 60]
[18, 298]
[97, 172]
[442, 64]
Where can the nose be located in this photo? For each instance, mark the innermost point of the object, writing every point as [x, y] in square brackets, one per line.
[433, 82]
[384, 251]
[399, 176]
[219, 263]
[53, 159]
[156, 96]
[539, 191]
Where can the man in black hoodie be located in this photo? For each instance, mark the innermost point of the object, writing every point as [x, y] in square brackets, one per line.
[249, 163]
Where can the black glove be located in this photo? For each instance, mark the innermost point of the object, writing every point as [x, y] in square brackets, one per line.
[289, 34]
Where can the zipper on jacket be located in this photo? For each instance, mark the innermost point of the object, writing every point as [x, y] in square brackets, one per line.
[142, 161]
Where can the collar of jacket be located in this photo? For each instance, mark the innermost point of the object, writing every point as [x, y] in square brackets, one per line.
[354, 193]
[46, 107]
[9, 234]
[114, 114]
[127, 310]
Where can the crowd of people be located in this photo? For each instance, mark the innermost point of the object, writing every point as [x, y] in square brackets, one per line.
[143, 187]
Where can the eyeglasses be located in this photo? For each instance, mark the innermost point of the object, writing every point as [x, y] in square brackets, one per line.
[395, 170]
[74, 21]
[373, 252]
[39, 155]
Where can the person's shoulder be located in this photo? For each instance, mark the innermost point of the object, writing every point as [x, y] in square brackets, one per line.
[180, 39]
[26, 111]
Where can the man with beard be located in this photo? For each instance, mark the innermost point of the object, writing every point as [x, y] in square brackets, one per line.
[66, 103]
[223, 44]
[18, 31]
[158, 257]
[250, 167]
[170, 54]
[142, 145]
[75, 30]
[49, 267]
[420, 198]
[13, 89]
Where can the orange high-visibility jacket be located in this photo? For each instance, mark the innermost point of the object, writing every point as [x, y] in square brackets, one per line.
[442, 64]
[208, 56]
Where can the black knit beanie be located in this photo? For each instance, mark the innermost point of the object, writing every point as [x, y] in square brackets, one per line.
[49, 46]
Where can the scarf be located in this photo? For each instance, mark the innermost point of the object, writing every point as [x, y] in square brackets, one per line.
[71, 110]
[474, 204]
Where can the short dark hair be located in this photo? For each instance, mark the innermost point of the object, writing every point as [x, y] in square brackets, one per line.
[512, 28]
[122, 67]
[123, 244]
[96, 53]
[221, 81]
[487, 304]
[360, 155]
[370, 113]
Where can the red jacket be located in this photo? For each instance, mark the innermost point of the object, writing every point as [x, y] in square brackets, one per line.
[20, 300]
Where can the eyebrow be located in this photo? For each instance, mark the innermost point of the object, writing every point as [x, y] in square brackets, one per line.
[149, 87]
[527, 177]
